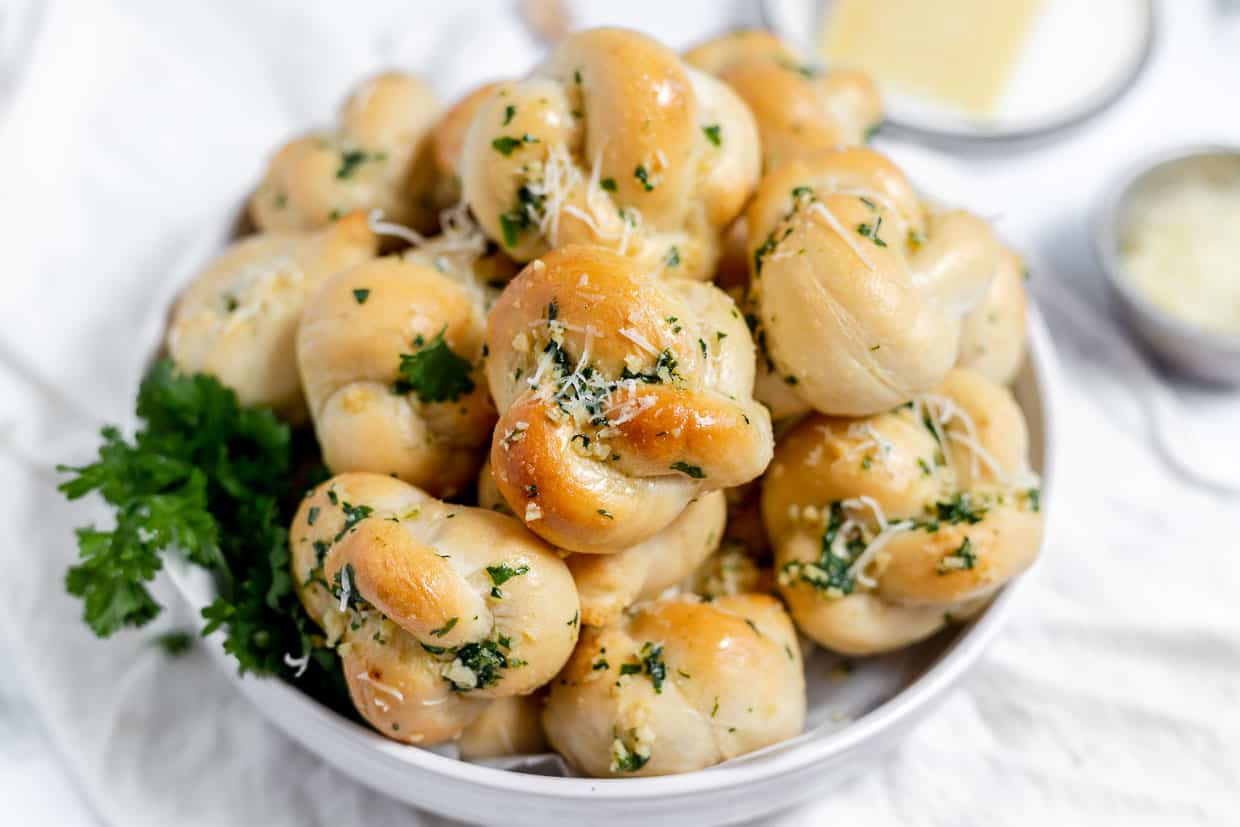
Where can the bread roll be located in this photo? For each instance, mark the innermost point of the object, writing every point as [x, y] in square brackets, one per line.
[621, 397]
[376, 157]
[238, 319]
[614, 141]
[678, 685]
[434, 607]
[889, 527]
[860, 291]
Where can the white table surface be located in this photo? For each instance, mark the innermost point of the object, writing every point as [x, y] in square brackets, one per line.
[1113, 697]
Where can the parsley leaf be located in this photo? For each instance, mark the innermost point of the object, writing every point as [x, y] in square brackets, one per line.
[435, 373]
[501, 574]
[693, 471]
[505, 144]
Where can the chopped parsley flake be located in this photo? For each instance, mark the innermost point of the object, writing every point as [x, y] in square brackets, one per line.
[520, 217]
[505, 145]
[435, 373]
[830, 574]
[353, 514]
[626, 759]
[485, 660]
[643, 176]
[959, 509]
[767, 247]
[962, 558]
[653, 665]
[685, 468]
[871, 232]
[361, 294]
[672, 259]
[509, 111]
[712, 131]
[447, 627]
[608, 184]
[351, 159]
[501, 574]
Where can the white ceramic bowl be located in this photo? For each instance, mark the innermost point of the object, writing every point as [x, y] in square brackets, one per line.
[851, 722]
[1194, 351]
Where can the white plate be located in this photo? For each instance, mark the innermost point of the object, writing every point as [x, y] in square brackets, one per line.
[851, 722]
[1077, 60]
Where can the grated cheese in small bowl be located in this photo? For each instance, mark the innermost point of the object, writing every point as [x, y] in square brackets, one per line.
[1180, 245]
[1168, 240]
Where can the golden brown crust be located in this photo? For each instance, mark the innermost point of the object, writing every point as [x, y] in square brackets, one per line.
[678, 685]
[238, 319]
[433, 606]
[610, 583]
[376, 157]
[604, 143]
[860, 293]
[798, 111]
[929, 509]
[353, 336]
[621, 397]
[607, 584]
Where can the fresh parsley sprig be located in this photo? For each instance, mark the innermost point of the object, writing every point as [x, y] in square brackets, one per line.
[213, 480]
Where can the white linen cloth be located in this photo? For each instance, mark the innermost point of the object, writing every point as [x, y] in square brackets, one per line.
[1112, 697]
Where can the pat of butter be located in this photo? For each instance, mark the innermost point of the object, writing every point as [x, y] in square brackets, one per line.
[957, 53]
[1181, 248]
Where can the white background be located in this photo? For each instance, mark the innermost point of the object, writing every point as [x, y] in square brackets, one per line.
[1113, 697]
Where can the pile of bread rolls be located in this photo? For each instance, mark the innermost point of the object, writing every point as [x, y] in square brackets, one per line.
[637, 375]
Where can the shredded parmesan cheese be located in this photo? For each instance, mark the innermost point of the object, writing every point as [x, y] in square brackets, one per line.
[300, 664]
[819, 210]
[382, 687]
[380, 227]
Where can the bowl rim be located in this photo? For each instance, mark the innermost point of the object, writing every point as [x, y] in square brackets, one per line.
[874, 727]
[1106, 232]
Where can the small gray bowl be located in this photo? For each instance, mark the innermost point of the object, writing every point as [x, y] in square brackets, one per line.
[1202, 354]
